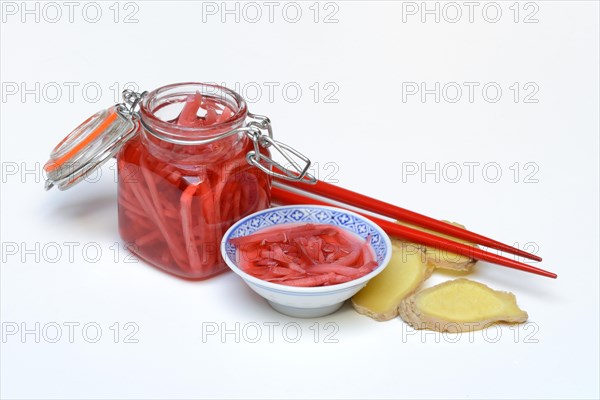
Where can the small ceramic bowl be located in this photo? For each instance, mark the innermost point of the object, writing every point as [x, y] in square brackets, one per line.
[307, 302]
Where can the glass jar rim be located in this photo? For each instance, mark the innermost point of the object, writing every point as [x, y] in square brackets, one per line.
[152, 122]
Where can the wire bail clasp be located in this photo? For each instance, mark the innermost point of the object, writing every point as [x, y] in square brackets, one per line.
[254, 130]
[131, 99]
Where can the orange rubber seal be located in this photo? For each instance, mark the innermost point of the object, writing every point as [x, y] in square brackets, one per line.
[54, 164]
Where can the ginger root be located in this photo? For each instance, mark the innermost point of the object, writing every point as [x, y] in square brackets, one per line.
[443, 259]
[402, 276]
[460, 305]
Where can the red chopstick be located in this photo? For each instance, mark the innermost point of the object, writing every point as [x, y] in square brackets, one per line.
[401, 214]
[282, 196]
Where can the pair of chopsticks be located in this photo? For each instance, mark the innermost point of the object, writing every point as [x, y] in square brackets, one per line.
[303, 193]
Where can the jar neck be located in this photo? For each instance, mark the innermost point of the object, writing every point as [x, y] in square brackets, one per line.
[168, 137]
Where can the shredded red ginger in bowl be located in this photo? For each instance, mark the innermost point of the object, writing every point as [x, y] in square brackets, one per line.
[305, 255]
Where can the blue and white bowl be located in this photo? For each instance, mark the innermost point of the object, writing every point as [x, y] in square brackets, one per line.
[307, 302]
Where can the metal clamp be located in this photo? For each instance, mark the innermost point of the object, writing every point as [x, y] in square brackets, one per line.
[129, 108]
[258, 159]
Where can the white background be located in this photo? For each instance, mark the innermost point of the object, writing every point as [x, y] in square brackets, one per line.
[371, 135]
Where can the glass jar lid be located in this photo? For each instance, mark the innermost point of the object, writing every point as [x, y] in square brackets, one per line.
[88, 146]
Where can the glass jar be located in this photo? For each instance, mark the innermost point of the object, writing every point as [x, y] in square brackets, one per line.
[191, 161]
[178, 190]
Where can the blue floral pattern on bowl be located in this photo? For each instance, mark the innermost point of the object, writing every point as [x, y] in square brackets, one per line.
[308, 214]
